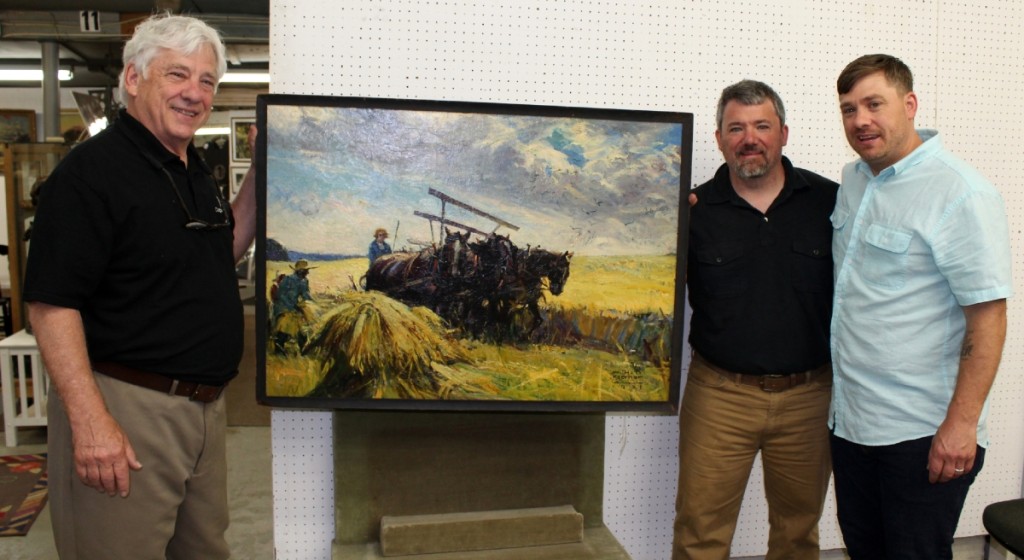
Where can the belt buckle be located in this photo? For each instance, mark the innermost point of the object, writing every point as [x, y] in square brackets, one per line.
[193, 394]
[772, 387]
[206, 393]
[197, 393]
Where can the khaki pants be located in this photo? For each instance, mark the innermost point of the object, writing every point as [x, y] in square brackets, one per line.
[723, 425]
[177, 508]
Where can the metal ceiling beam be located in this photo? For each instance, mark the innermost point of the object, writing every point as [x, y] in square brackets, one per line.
[98, 53]
[66, 26]
[258, 7]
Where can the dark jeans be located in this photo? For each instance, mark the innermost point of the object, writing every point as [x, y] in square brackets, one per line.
[887, 508]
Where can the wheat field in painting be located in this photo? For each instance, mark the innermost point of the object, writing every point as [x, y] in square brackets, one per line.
[607, 338]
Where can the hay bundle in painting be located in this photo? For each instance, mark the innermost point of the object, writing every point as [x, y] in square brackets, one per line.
[372, 346]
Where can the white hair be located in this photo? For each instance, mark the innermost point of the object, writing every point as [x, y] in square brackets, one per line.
[182, 34]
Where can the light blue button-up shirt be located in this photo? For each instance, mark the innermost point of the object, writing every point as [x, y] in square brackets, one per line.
[911, 245]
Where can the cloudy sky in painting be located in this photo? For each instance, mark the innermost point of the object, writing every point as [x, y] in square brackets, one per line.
[595, 187]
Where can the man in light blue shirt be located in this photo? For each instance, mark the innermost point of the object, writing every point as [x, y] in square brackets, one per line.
[922, 269]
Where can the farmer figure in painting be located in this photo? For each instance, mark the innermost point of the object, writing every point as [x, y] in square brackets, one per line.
[290, 313]
[379, 247]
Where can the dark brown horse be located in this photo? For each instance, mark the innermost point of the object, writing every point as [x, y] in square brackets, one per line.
[405, 276]
[487, 288]
[425, 277]
[508, 285]
[535, 265]
[456, 259]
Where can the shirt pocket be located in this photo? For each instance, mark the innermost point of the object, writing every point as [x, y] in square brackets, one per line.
[811, 264]
[886, 251]
[722, 269]
[838, 219]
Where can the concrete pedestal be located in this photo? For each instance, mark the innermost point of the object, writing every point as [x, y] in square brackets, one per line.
[396, 464]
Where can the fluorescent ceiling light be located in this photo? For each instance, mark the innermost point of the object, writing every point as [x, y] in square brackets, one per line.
[214, 131]
[30, 75]
[246, 78]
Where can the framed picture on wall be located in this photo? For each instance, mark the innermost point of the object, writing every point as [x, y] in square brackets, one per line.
[436, 255]
[237, 175]
[17, 125]
[240, 152]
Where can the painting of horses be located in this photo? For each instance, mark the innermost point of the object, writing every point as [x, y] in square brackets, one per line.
[469, 256]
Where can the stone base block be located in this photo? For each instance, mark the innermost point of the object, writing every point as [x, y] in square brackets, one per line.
[482, 530]
[598, 544]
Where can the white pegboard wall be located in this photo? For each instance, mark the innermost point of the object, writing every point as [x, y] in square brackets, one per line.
[665, 55]
[303, 463]
[532, 52]
[644, 506]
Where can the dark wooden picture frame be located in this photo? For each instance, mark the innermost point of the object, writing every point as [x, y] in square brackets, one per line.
[537, 257]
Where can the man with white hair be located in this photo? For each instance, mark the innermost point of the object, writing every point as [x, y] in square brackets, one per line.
[134, 302]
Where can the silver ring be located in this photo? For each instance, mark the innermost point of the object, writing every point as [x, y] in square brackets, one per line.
[958, 471]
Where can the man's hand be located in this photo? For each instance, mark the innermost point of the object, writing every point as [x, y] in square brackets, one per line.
[103, 455]
[693, 199]
[953, 449]
[955, 443]
[104, 458]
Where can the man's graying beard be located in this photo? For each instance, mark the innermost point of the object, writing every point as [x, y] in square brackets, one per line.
[752, 171]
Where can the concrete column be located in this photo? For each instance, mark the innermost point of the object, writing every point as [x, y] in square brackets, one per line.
[51, 89]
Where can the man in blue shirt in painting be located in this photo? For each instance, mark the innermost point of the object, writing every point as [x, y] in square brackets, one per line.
[922, 263]
[378, 247]
[289, 313]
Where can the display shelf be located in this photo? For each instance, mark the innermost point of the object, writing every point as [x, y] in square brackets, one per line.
[24, 383]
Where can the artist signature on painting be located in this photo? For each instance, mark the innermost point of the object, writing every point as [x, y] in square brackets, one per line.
[630, 376]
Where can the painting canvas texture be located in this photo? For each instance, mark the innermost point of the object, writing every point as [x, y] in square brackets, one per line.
[469, 256]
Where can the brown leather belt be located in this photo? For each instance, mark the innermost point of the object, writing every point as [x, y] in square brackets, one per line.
[768, 383]
[157, 382]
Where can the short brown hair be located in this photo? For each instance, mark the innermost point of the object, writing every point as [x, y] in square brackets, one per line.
[896, 72]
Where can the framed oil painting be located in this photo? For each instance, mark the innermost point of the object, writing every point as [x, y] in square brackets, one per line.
[240, 152]
[469, 256]
[17, 125]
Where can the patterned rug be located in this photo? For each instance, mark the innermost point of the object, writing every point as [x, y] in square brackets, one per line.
[22, 492]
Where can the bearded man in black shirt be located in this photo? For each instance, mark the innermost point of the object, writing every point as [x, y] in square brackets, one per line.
[760, 285]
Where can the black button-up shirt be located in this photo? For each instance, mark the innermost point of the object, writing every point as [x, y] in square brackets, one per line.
[760, 285]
